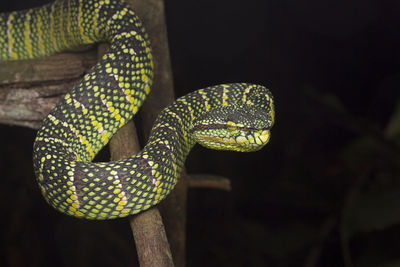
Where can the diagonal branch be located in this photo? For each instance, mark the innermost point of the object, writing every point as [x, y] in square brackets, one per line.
[147, 227]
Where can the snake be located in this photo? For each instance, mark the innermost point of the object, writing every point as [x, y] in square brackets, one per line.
[234, 116]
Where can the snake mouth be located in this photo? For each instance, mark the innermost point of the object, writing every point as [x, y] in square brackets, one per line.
[245, 142]
[221, 126]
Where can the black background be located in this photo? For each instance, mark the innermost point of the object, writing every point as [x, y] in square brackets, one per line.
[288, 201]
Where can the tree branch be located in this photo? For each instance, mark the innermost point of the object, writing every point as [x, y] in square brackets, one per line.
[29, 89]
[205, 180]
[147, 227]
[173, 208]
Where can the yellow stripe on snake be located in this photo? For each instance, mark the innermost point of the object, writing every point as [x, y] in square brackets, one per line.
[228, 117]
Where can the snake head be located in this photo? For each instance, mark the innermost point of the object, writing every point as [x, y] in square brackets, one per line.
[242, 127]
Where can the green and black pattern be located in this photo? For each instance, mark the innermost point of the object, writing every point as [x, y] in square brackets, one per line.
[232, 116]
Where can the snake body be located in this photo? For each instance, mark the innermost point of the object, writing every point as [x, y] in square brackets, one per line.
[231, 116]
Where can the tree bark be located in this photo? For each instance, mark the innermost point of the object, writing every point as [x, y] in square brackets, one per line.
[147, 227]
[173, 208]
[29, 89]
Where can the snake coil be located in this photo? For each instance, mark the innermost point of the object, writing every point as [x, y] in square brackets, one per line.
[231, 116]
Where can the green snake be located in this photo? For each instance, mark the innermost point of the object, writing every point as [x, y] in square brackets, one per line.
[227, 117]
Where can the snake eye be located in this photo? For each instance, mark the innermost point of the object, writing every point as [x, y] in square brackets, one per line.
[231, 125]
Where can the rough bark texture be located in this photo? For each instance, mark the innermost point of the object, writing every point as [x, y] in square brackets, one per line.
[29, 89]
[173, 208]
[59, 67]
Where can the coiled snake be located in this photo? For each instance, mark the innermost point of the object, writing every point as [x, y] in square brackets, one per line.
[228, 117]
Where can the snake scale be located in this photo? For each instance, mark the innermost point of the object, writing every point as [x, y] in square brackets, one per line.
[228, 117]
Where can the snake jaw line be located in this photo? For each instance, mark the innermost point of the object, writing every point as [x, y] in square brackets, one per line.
[241, 143]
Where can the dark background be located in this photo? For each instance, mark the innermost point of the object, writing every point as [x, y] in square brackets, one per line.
[324, 192]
